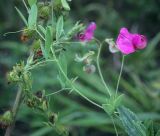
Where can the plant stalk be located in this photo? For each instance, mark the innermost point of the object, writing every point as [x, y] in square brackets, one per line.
[14, 111]
[99, 70]
[120, 74]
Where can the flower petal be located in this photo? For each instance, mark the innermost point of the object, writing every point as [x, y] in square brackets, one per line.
[124, 42]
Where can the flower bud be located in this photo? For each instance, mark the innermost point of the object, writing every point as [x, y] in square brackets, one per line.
[44, 105]
[89, 68]
[6, 119]
[77, 28]
[16, 74]
[44, 12]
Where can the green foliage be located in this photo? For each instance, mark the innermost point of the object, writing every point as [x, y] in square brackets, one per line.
[32, 2]
[48, 42]
[65, 4]
[75, 112]
[22, 16]
[32, 19]
[112, 104]
[131, 123]
[59, 27]
[63, 62]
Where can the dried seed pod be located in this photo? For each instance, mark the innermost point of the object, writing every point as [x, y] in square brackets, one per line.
[30, 103]
[26, 35]
[39, 94]
[53, 118]
[24, 38]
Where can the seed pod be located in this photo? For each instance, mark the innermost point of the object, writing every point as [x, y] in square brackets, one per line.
[44, 12]
[52, 118]
[30, 103]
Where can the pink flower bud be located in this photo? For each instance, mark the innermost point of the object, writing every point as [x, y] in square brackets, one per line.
[88, 33]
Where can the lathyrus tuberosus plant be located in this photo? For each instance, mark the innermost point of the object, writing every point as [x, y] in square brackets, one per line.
[45, 30]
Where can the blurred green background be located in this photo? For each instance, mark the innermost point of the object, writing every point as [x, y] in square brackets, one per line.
[140, 81]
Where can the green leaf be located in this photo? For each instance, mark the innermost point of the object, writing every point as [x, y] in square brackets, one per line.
[48, 41]
[158, 133]
[149, 127]
[22, 16]
[42, 48]
[131, 123]
[32, 2]
[112, 104]
[32, 19]
[63, 62]
[108, 108]
[59, 27]
[118, 100]
[65, 4]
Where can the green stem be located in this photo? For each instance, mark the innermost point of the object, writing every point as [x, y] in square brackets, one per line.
[14, 111]
[120, 74]
[114, 125]
[71, 84]
[64, 89]
[99, 70]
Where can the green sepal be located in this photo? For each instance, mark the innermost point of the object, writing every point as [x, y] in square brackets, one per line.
[112, 104]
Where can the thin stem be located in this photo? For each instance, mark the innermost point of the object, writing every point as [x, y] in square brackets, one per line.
[39, 64]
[40, 34]
[5, 34]
[99, 70]
[14, 111]
[58, 91]
[26, 6]
[120, 74]
[114, 125]
[71, 84]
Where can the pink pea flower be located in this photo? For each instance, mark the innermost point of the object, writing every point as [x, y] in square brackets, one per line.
[128, 43]
[88, 34]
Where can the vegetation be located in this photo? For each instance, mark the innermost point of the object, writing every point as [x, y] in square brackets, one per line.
[58, 94]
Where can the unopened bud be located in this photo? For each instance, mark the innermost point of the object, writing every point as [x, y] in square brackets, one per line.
[90, 68]
[44, 12]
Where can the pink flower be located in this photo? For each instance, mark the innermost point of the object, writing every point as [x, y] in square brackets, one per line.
[88, 33]
[128, 43]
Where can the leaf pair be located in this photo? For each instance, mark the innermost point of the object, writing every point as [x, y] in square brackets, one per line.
[112, 104]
